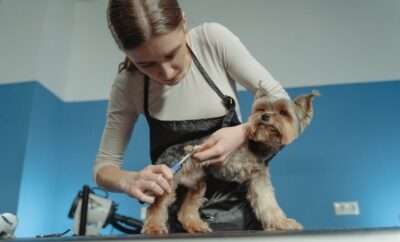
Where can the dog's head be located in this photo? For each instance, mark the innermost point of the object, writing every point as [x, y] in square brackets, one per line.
[277, 122]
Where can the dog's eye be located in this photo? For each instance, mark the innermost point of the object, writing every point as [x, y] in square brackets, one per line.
[284, 113]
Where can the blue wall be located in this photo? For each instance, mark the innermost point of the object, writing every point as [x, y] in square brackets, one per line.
[348, 153]
[15, 111]
[41, 166]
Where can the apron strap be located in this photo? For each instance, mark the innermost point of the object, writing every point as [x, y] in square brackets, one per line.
[227, 101]
[146, 96]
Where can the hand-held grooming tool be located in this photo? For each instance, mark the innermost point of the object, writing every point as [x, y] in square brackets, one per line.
[178, 165]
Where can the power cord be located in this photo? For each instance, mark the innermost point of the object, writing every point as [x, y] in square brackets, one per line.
[56, 235]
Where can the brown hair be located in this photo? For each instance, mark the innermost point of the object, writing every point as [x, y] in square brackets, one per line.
[133, 22]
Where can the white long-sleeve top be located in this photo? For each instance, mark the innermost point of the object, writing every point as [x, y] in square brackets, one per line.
[225, 59]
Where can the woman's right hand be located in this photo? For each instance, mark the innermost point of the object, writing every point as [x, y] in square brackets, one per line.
[149, 183]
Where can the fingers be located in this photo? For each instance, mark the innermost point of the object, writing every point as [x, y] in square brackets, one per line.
[151, 182]
[146, 191]
[158, 184]
[153, 189]
[163, 170]
[208, 150]
[216, 161]
[210, 142]
[158, 179]
[140, 195]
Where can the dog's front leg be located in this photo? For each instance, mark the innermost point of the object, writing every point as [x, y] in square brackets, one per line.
[157, 215]
[266, 208]
[188, 214]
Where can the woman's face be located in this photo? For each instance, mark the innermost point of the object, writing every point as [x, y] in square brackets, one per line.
[164, 58]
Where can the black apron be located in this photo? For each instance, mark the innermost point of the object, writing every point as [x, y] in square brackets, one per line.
[226, 207]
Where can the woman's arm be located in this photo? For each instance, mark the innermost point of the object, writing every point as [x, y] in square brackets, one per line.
[221, 144]
[240, 64]
[242, 67]
[144, 185]
[121, 118]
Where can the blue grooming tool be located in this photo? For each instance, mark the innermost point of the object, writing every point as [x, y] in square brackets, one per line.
[178, 165]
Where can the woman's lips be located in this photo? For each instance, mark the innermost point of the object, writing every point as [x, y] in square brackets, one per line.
[173, 81]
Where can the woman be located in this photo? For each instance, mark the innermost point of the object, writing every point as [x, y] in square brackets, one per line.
[184, 82]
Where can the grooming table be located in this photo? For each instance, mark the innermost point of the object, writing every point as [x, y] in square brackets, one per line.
[367, 235]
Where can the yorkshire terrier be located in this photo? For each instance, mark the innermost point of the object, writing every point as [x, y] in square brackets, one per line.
[272, 124]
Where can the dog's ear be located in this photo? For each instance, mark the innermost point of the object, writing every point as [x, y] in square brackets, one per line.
[304, 108]
[250, 130]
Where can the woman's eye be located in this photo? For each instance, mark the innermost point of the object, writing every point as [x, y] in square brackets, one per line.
[146, 66]
[170, 57]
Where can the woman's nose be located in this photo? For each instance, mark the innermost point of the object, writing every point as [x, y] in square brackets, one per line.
[167, 72]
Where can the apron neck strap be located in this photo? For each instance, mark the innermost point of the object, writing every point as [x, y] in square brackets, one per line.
[227, 101]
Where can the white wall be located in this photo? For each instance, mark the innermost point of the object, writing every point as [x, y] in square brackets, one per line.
[54, 50]
[94, 56]
[34, 43]
[302, 42]
[307, 42]
[20, 28]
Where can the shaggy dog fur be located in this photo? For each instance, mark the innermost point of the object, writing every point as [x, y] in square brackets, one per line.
[272, 125]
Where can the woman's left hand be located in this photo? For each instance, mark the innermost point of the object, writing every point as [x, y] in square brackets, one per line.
[220, 145]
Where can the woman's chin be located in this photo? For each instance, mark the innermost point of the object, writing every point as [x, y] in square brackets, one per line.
[169, 82]
[172, 81]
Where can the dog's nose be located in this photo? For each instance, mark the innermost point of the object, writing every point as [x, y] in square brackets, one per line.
[265, 117]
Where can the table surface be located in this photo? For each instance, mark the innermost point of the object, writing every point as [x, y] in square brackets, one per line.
[350, 235]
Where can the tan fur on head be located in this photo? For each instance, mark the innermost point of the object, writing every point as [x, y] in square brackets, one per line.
[279, 121]
[305, 109]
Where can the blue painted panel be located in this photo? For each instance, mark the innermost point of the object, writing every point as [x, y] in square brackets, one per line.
[41, 165]
[348, 153]
[15, 110]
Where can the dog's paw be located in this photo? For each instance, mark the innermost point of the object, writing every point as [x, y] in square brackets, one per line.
[154, 229]
[284, 224]
[195, 226]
